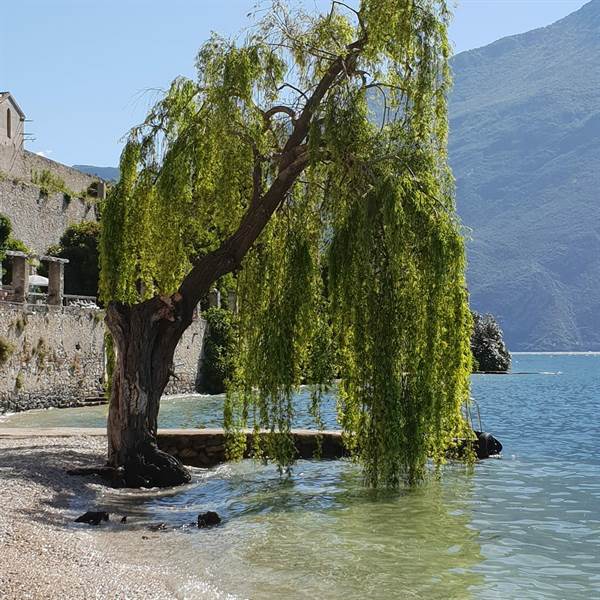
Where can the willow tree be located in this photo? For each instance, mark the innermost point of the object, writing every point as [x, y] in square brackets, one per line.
[310, 160]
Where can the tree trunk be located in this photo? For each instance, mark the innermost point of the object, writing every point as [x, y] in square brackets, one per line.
[145, 337]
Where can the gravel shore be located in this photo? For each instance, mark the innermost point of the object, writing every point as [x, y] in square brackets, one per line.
[43, 554]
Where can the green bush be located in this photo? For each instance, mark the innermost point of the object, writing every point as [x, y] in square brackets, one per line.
[49, 183]
[17, 246]
[219, 348]
[6, 349]
[5, 231]
[487, 344]
[79, 244]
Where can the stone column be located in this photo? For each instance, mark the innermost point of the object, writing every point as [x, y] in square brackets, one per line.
[101, 190]
[232, 301]
[20, 279]
[56, 282]
[214, 299]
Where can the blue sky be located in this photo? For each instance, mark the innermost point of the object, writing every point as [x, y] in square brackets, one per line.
[84, 70]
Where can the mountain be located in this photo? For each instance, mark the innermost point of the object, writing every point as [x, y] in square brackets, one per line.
[525, 150]
[106, 173]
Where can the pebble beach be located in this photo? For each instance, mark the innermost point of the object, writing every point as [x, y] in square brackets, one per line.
[43, 553]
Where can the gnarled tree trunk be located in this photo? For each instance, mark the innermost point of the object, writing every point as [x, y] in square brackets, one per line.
[146, 334]
[145, 337]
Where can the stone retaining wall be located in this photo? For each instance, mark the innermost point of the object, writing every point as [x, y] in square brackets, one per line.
[206, 447]
[57, 357]
[200, 447]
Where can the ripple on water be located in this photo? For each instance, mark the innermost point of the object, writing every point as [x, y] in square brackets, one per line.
[527, 526]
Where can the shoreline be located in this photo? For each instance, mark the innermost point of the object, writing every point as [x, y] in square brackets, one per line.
[43, 553]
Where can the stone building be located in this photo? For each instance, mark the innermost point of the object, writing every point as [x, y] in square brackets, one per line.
[39, 212]
[12, 125]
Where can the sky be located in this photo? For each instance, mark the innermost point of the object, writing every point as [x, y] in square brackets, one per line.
[85, 71]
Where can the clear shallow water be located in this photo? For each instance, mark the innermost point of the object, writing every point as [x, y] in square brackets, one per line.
[526, 526]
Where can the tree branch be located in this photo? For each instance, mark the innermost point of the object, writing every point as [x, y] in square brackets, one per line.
[294, 159]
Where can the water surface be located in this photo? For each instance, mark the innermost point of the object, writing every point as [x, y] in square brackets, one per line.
[525, 526]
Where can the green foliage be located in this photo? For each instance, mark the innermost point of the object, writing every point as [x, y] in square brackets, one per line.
[19, 381]
[6, 350]
[49, 183]
[79, 244]
[373, 210]
[15, 245]
[18, 246]
[487, 344]
[5, 231]
[219, 350]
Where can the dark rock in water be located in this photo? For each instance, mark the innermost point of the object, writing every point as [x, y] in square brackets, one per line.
[487, 445]
[157, 527]
[124, 519]
[92, 517]
[208, 519]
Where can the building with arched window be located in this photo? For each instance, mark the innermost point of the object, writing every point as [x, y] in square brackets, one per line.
[12, 123]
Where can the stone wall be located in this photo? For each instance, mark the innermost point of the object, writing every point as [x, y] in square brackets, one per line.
[57, 357]
[207, 447]
[26, 165]
[37, 220]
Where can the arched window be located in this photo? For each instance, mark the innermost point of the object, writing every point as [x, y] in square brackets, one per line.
[8, 123]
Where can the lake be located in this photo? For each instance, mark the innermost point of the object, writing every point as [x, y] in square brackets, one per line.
[523, 526]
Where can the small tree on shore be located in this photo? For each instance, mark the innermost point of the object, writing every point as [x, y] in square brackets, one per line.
[487, 344]
[268, 165]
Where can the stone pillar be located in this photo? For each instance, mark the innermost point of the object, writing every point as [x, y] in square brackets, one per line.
[232, 301]
[214, 299]
[56, 282]
[20, 279]
[101, 190]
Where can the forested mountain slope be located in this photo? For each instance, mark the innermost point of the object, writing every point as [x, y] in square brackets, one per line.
[525, 149]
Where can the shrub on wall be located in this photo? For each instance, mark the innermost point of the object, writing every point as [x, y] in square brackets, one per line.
[49, 183]
[219, 348]
[6, 349]
[5, 231]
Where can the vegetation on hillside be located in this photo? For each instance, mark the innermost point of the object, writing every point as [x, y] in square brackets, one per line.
[7, 242]
[5, 231]
[525, 125]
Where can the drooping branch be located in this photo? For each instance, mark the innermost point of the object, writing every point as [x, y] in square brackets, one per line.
[294, 159]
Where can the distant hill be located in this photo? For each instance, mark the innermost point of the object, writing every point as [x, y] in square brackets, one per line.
[106, 173]
[525, 150]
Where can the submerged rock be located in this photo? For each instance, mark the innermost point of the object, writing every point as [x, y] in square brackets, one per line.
[208, 519]
[487, 445]
[92, 517]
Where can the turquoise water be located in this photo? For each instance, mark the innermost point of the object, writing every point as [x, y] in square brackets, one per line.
[525, 526]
